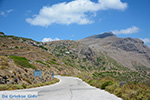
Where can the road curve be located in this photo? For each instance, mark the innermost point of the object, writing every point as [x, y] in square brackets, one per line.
[70, 88]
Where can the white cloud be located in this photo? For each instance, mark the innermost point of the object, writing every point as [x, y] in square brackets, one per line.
[50, 39]
[5, 13]
[112, 4]
[146, 40]
[77, 11]
[130, 30]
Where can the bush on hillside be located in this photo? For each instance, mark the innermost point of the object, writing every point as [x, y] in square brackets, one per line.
[22, 61]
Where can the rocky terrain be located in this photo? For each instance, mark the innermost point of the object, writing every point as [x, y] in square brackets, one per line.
[19, 57]
[104, 61]
[99, 55]
[129, 52]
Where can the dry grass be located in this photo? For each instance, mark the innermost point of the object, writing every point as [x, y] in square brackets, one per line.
[130, 91]
[23, 86]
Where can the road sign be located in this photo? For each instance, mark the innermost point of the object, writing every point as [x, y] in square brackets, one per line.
[37, 73]
[52, 75]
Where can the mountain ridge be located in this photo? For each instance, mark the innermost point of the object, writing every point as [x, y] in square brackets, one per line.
[110, 63]
[102, 35]
[118, 48]
[68, 57]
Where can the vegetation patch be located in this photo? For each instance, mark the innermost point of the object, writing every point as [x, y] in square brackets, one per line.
[22, 61]
[38, 61]
[19, 86]
[53, 62]
[3, 67]
[129, 91]
[107, 83]
[43, 47]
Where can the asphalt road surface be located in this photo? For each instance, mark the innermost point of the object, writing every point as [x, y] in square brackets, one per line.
[69, 88]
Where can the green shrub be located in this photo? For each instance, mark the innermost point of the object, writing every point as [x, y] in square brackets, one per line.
[111, 88]
[84, 59]
[118, 92]
[103, 86]
[68, 60]
[17, 86]
[4, 87]
[28, 80]
[10, 88]
[43, 47]
[54, 59]
[52, 81]
[103, 62]
[38, 61]
[24, 86]
[36, 85]
[16, 47]
[15, 38]
[4, 45]
[53, 62]
[22, 61]
[93, 82]
[41, 84]
[99, 59]
[29, 86]
[23, 39]
[130, 91]
[83, 67]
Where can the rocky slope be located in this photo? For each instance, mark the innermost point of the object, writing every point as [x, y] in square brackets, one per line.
[131, 53]
[102, 55]
[95, 63]
[19, 57]
[81, 56]
[104, 61]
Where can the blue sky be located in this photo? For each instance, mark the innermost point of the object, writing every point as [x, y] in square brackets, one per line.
[49, 20]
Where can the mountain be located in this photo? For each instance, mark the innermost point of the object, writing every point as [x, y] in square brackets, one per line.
[101, 36]
[96, 56]
[93, 60]
[131, 53]
[81, 56]
[104, 61]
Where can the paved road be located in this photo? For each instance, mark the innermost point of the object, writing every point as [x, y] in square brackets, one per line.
[71, 88]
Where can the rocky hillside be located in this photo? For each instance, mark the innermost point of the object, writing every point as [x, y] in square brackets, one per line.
[81, 56]
[98, 56]
[118, 65]
[95, 63]
[131, 53]
[73, 53]
[19, 57]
